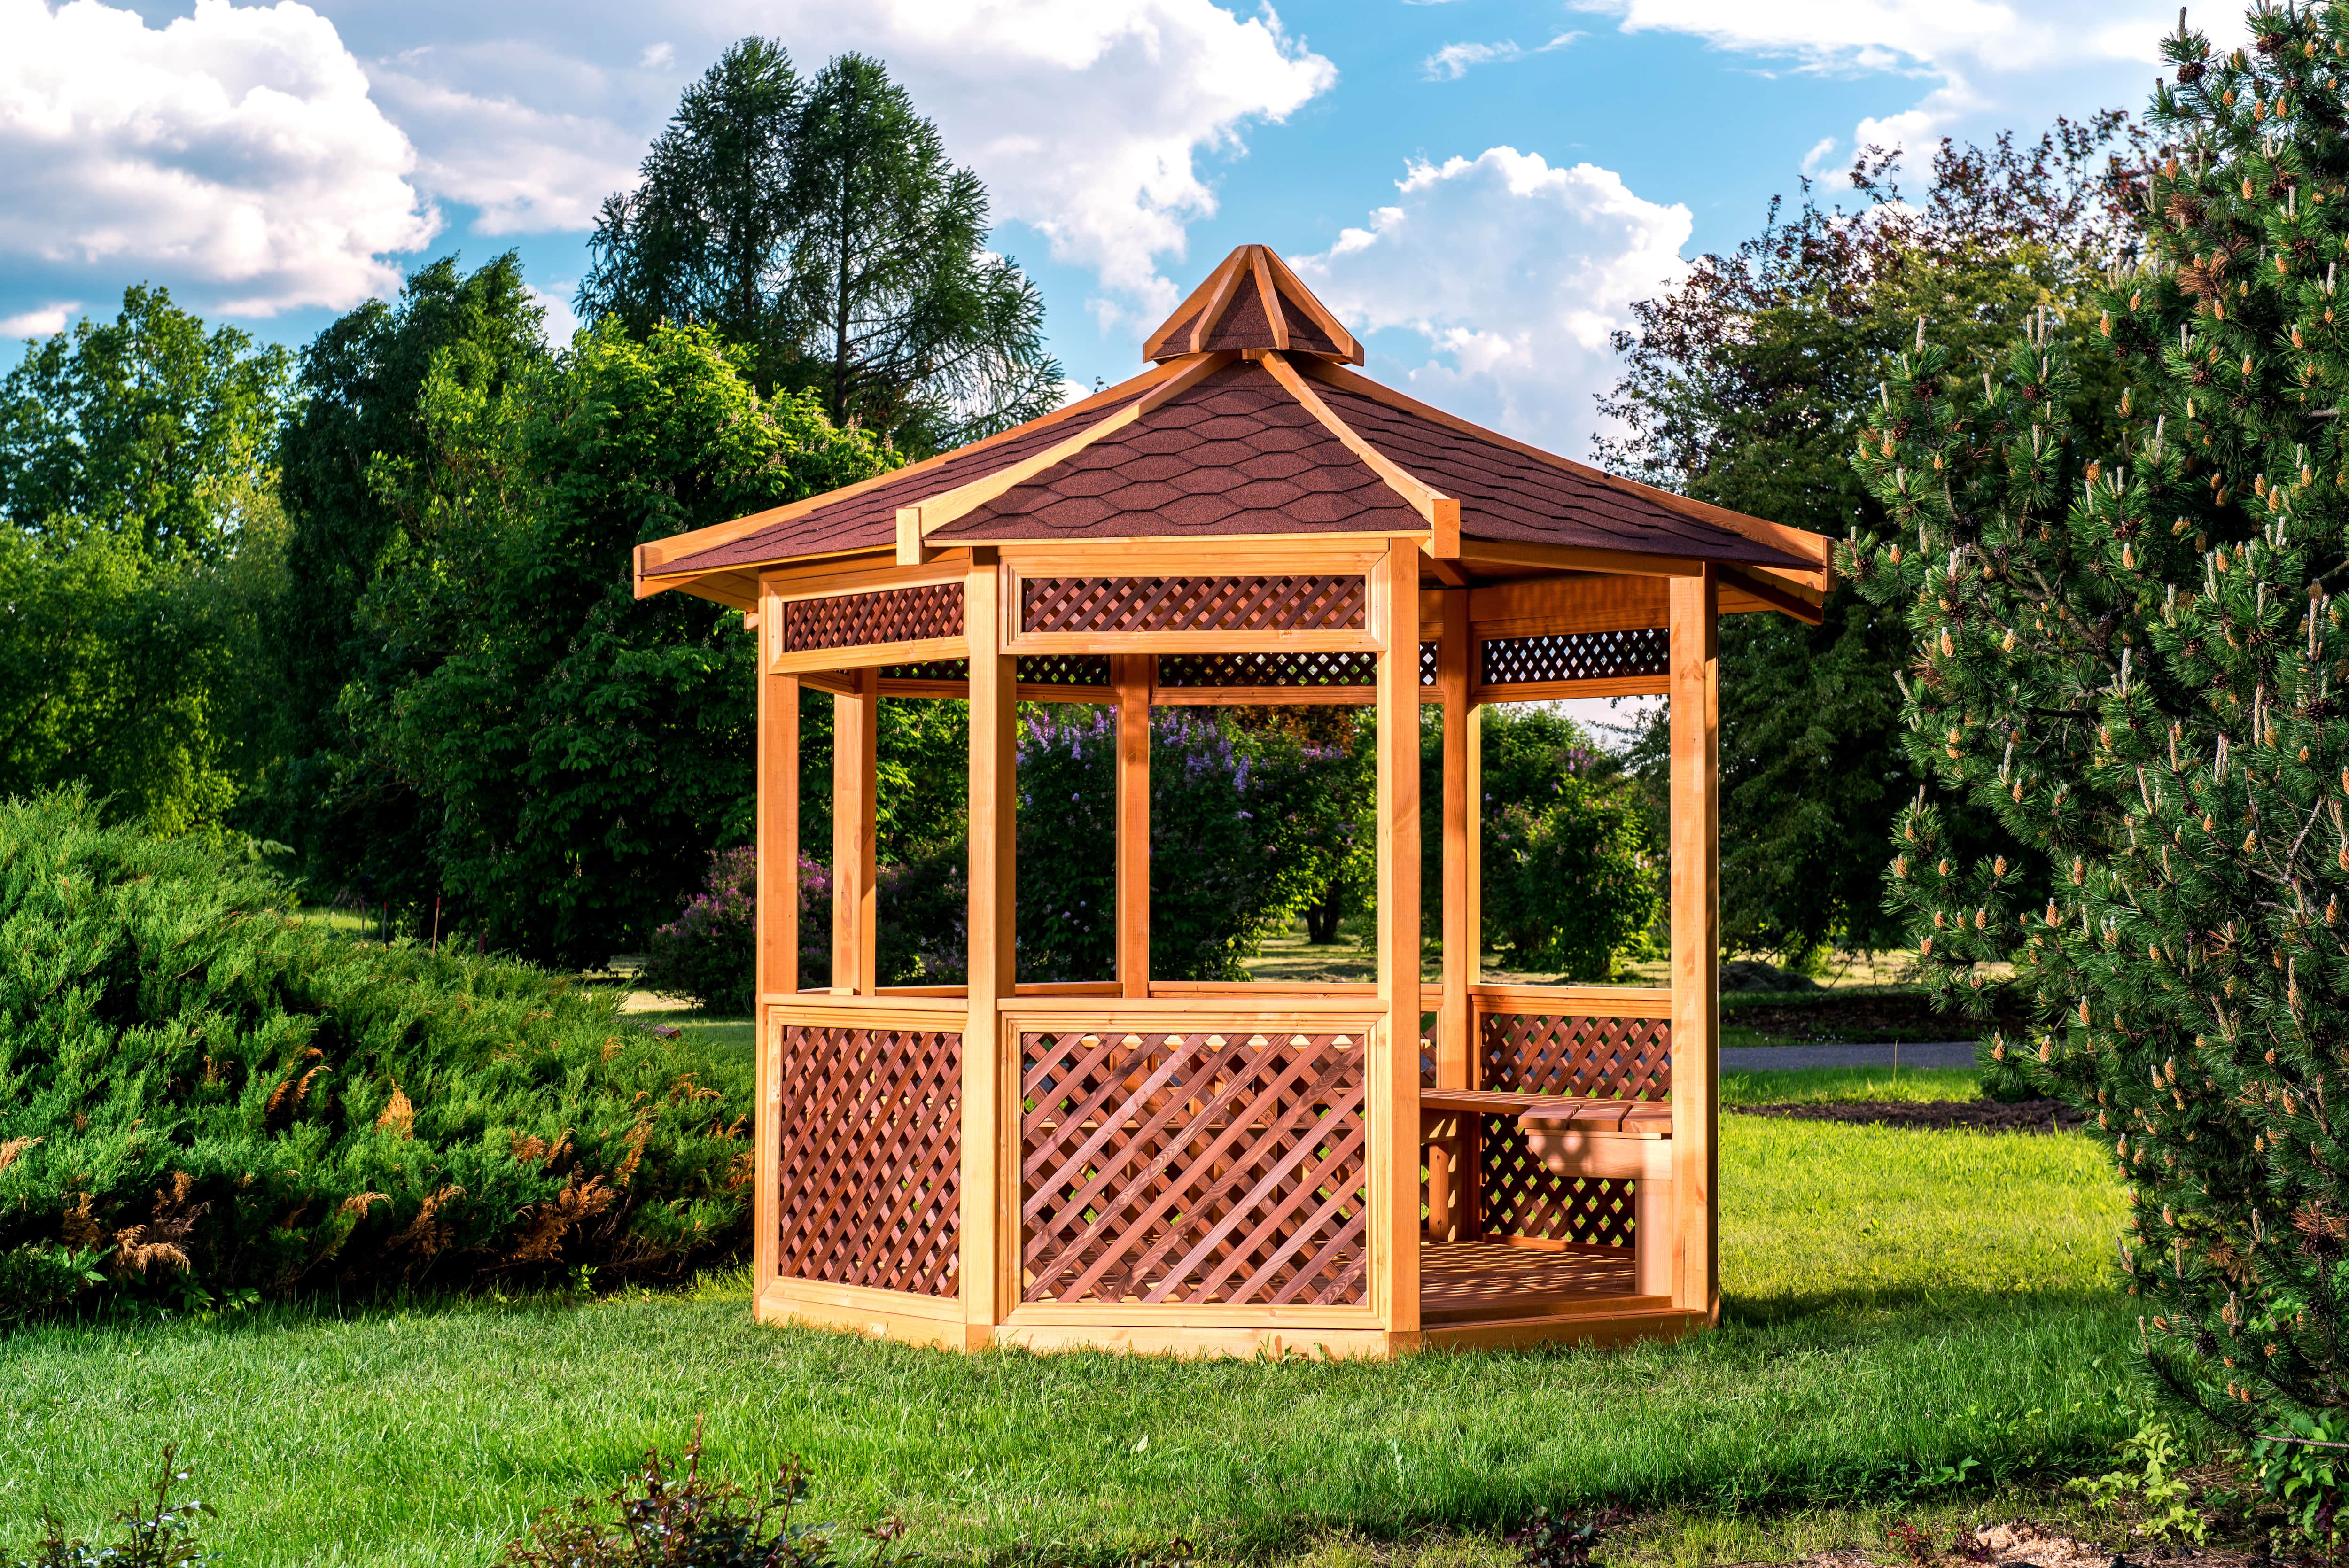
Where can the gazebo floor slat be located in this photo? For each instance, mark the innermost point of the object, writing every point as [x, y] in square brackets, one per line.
[1460, 1280]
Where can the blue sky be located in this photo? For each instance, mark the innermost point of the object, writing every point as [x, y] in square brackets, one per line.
[1481, 187]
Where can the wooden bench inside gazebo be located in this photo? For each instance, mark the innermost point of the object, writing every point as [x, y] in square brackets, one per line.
[1230, 1168]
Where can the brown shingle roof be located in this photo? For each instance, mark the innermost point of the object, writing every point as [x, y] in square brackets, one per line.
[867, 518]
[1215, 445]
[1509, 495]
[1233, 454]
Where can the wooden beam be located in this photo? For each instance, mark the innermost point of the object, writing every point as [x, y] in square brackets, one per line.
[775, 962]
[1549, 606]
[855, 729]
[1696, 941]
[990, 1104]
[1394, 1070]
[1777, 594]
[1133, 673]
[1463, 798]
[1440, 509]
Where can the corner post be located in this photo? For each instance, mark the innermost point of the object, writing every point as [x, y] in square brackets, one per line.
[1133, 673]
[1463, 798]
[776, 962]
[1394, 1070]
[1695, 683]
[855, 905]
[990, 1066]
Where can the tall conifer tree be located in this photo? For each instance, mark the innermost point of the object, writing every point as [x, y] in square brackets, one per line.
[2135, 656]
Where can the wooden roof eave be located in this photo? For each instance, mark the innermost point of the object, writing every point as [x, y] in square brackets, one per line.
[654, 555]
[1796, 541]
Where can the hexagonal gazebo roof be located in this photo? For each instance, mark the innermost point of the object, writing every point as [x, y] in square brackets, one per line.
[1249, 423]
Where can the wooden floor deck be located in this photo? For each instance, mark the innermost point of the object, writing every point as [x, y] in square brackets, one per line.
[1465, 1280]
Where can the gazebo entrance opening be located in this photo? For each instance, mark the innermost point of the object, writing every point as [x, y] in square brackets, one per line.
[1214, 1166]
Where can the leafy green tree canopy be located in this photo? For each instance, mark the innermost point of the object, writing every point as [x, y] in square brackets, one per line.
[578, 753]
[820, 225]
[147, 427]
[1745, 388]
[361, 382]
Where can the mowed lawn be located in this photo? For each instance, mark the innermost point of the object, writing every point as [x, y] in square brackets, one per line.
[1899, 1303]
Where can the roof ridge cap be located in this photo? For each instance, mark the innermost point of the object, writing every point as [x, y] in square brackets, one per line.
[1774, 534]
[1440, 510]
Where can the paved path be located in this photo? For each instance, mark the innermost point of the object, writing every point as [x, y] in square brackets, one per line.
[1936, 1054]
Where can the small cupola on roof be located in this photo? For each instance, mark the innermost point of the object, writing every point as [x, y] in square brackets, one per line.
[1253, 301]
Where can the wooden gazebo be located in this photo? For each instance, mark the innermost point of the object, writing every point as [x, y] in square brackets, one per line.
[1210, 1168]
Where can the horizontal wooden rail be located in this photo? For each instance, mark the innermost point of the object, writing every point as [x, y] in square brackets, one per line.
[1597, 1001]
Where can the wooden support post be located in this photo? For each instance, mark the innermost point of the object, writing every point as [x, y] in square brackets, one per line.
[1696, 939]
[990, 1104]
[776, 961]
[855, 905]
[1134, 673]
[1464, 802]
[1394, 1071]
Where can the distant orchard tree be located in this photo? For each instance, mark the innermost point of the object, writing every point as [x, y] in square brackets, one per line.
[820, 225]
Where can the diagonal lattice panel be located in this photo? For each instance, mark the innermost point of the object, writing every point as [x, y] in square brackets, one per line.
[1193, 604]
[856, 620]
[1575, 656]
[1034, 669]
[1573, 1052]
[1516, 1196]
[871, 1158]
[1284, 668]
[1197, 1166]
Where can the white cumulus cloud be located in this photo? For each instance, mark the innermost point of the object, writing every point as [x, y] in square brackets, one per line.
[1098, 123]
[1977, 53]
[1089, 119]
[1513, 275]
[523, 167]
[233, 152]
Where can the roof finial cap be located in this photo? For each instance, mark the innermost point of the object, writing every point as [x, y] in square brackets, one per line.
[1252, 300]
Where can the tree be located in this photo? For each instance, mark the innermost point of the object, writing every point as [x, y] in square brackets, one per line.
[142, 538]
[1745, 388]
[577, 752]
[358, 424]
[146, 427]
[821, 227]
[1569, 875]
[2127, 651]
[913, 327]
[706, 237]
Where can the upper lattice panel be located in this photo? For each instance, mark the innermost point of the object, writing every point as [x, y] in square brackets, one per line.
[1253, 301]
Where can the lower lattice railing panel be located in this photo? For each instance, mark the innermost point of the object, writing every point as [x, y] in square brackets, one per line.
[1576, 1053]
[1516, 1196]
[870, 1157]
[1206, 1166]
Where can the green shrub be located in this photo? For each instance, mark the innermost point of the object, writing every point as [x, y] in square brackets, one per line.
[708, 953]
[200, 1094]
[156, 1532]
[656, 1520]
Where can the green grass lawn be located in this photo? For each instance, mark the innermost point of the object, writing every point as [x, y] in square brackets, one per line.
[1898, 1301]
[1820, 1086]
